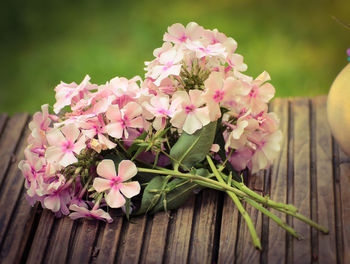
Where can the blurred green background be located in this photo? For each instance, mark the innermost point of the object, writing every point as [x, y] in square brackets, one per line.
[44, 42]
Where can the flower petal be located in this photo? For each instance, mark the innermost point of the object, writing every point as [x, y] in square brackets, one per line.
[115, 199]
[53, 203]
[130, 189]
[115, 130]
[101, 184]
[126, 170]
[71, 132]
[106, 169]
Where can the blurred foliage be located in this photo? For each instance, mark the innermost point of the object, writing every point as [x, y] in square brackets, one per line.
[44, 42]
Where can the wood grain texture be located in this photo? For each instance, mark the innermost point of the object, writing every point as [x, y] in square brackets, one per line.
[228, 232]
[83, 244]
[107, 245]
[132, 240]
[3, 120]
[324, 182]
[59, 244]
[301, 188]
[18, 232]
[278, 186]
[202, 241]
[245, 251]
[344, 169]
[13, 183]
[9, 139]
[153, 250]
[41, 238]
[180, 233]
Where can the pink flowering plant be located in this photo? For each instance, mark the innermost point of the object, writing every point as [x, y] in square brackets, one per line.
[144, 145]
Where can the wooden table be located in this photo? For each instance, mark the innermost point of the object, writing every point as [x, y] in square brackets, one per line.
[311, 173]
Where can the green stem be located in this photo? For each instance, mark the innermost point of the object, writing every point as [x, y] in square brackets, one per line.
[240, 207]
[263, 200]
[273, 217]
[305, 220]
[196, 178]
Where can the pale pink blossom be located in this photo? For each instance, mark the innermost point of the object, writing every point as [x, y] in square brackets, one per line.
[114, 184]
[177, 33]
[201, 50]
[83, 212]
[41, 120]
[169, 63]
[66, 94]
[261, 93]
[214, 36]
[160, 110]
[32, 168]
[65, 142]
[58, 197]
[240, 158]
[267, 149]
[191, 114]
[220, 91]
[96, 127]
[123, 119]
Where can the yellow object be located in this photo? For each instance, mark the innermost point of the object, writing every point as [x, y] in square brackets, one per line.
[338, 109]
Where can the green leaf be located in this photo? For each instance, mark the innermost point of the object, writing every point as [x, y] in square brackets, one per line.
[190, 149]
[179, 190]
[150, 196]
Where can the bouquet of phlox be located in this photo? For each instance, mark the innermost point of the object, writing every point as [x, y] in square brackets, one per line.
[144, 145]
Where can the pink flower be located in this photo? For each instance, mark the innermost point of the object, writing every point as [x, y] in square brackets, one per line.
[214, 36]
[267, 149]
[121, 120]
[64, 143]
[58, 196]
[220, 91]
[191, 115]
[261, 93]
[168, 64]
[177, 33]
[160, 108]
[115, 184]
[65, 93]
[96, 126]
[203, 50]
[41, 120]
[32, 168]
[240, 158]
[82, 212]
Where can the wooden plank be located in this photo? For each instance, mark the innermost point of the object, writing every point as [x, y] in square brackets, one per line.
[153, 250]
[301, 188]
[41, 238]
[8, 142]
[228, 232]
[324, 182]
[3, 119]
[13, 183]
[83, 244]
[18, 232]
[202, 242]
[59, 246]
[132, 240]
[245, 252]
[180, 234]
[344, 177]
[107, 246]
[278, 186]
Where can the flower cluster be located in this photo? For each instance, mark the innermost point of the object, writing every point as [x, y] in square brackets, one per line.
[194, 80]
